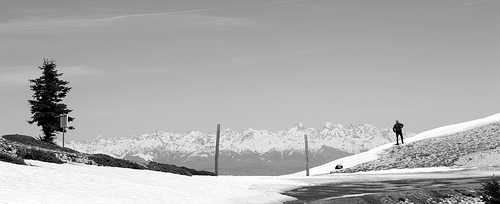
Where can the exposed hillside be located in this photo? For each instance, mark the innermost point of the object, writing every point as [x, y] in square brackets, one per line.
[17, 148]
[476, 147]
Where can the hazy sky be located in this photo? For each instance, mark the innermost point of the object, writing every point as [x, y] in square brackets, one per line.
[175, 66]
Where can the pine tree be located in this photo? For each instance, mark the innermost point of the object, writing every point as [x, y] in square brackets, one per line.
[47, 106]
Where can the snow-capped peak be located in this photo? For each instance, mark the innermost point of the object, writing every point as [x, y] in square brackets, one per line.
[353, 139]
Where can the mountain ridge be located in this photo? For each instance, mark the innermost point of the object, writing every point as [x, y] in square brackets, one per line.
[261, 148]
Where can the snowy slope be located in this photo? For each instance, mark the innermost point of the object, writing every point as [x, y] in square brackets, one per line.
[76, 183]
[373, 153]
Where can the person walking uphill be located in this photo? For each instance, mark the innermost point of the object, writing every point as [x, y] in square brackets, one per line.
[398, 129]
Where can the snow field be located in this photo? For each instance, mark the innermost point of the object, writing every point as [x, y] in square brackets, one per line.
[76, 183]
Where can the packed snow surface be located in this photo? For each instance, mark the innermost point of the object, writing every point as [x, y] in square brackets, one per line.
[78, 183]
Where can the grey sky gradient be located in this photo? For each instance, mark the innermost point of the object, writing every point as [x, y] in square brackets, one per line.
[140, 66]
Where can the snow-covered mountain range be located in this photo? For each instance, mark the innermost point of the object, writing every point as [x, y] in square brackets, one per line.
[121, 185]
[252, 152]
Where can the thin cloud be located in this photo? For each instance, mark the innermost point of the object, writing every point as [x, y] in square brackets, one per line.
[76, 70]
[283, 2]
[48, 25]
[154, 14]
[475, 2]
[31, 11]
[185, 18]
[42, 25]
[195, 10]
[17, 76]
[20, 75]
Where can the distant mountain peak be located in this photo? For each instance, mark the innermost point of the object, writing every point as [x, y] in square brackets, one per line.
[296, 126]
[366, 137]
[330, 126]
[248, 146]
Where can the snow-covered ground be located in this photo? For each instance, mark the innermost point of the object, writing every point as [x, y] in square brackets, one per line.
[77, 183]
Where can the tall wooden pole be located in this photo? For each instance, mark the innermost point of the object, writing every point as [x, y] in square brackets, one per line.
[307, 156]
[217, 150]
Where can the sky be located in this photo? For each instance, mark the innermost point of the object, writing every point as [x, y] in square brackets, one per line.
[183, 65]
[95, 184]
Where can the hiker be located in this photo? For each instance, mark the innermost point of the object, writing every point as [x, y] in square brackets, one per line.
[398, 129]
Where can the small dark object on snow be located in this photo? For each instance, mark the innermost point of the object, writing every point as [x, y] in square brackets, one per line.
[339, 166]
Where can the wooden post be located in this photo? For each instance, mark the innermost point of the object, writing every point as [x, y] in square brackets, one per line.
[217, 150]
[307, 156]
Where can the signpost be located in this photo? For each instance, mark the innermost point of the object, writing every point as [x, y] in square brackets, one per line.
[63, 123]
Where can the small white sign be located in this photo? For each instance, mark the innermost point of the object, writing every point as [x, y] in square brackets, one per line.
[63, 119]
